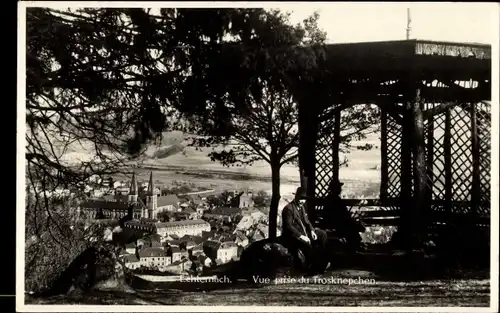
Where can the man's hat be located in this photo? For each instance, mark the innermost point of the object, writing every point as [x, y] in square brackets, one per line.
[300, 193]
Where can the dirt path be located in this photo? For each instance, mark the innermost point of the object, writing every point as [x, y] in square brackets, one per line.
[473, 293]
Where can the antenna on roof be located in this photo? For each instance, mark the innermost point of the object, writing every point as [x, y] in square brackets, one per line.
[408, 24]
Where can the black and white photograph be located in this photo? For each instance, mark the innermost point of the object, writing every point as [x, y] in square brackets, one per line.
[257, 156]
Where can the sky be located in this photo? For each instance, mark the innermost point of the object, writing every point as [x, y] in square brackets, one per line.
[360, 22]
[364, 21]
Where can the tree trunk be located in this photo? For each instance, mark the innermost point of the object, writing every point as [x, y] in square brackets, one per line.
[275, 199]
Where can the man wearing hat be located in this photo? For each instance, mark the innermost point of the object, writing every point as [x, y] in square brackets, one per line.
[300, 237]
[339, 218]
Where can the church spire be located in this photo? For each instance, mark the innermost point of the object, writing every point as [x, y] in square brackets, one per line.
[133, 185]
[151, 186]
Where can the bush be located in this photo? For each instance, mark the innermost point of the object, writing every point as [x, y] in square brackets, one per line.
[378, 235]
[164, 216]
[261, 199]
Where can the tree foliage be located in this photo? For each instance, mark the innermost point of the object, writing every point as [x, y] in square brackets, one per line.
[164, 216]
[103, 83]
[261, 199]
[267, 130]
[106, 82]
[114, 78]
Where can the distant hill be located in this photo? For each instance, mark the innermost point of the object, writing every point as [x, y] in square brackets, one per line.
[173, 152]
[168, 151]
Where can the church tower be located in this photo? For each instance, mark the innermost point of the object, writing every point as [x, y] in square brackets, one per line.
[134, 191]
[151, 199]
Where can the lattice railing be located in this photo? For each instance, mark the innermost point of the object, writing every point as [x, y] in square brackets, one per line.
[438, 170]
[452, 188]
[324, 159]
[394, 134]
[484, 133]
[461, 156]
[460, 159]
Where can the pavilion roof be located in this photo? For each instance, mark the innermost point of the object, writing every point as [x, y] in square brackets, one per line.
[391, 59]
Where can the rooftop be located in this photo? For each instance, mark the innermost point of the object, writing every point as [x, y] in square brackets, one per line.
[103, 204]
[131, 258]
[167, 200]
[174, 242]
[228, 238]
[207, 234]
[225, 211]
[139, 223]
[156, 243]
[175, 249]
[151, 252]
[188, 210]
[405, 48]
[195, 239]
[392, 60]
[241, 236]
[181, 223]
[147, 220]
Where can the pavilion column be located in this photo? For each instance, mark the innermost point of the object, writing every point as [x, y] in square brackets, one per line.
[336, 145]
[413, 169]
[419, 203]
[476, 179]
[405, 179]
[308, 128]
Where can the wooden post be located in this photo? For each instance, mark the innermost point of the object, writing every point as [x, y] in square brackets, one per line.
[308, 133]
[384, 168]
[406, 181]
[303, 146]
[475, 196]
[419, 165]
[448, 185]
[406, 158]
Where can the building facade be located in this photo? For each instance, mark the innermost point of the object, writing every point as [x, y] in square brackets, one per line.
[246, 200]
[182, 228]
[150, 257]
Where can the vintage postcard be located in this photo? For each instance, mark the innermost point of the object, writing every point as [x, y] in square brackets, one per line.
[257, 156]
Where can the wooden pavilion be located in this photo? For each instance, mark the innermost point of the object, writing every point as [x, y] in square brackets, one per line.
[435, 128]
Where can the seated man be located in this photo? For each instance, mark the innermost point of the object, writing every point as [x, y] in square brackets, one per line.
[339, 218]
[299, 236]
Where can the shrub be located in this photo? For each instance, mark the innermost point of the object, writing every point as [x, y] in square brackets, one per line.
[378, 234]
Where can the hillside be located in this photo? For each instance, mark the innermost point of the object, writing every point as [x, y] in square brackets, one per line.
[172, 159]
[176, 153]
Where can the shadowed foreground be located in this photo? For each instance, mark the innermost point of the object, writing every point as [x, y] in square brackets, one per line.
[466, 292]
